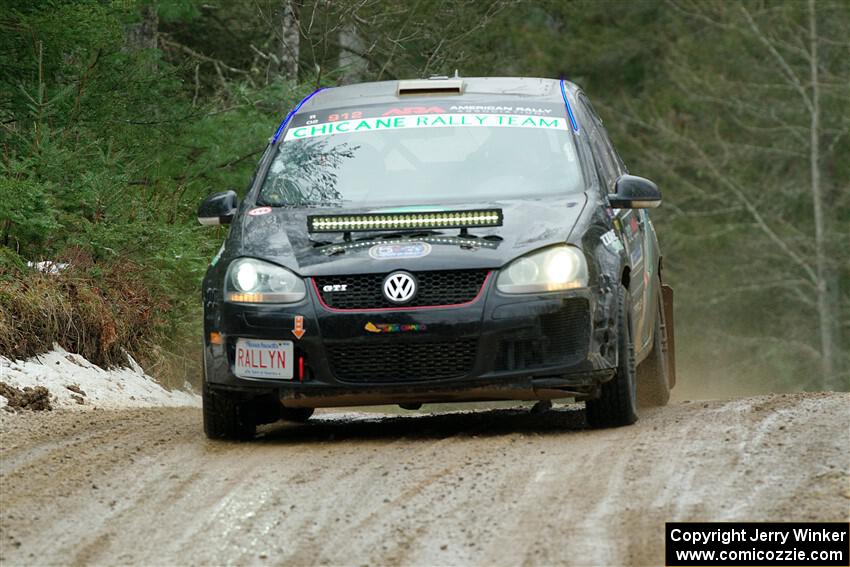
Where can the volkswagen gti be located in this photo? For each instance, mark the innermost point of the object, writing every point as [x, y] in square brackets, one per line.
[436, 240]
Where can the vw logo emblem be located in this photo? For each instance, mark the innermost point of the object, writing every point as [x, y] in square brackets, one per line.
[399, 287]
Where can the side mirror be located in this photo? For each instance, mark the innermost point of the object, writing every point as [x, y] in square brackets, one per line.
[219, 208]
[635, 192]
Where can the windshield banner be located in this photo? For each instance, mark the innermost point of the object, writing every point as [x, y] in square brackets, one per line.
[442, 120]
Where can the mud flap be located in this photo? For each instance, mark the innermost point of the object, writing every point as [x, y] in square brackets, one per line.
[667, 296]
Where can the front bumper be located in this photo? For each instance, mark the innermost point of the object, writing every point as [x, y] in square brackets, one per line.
[499, 347]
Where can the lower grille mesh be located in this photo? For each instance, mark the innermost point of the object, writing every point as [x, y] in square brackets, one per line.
[562, 338]
[402, 362]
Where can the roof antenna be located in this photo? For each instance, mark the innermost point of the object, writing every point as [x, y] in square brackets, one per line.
[457, 75]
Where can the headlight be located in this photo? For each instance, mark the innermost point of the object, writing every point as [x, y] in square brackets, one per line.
[552, 269]
[255, 281]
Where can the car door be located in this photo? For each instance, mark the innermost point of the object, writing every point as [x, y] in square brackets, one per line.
[632, 223]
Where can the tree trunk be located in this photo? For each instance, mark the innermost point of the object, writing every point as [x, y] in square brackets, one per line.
[142, 35]
[828, 307]
[290, 36]
[351, 64]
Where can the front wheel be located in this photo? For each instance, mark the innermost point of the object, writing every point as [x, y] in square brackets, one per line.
[227, 415]
[617, 404]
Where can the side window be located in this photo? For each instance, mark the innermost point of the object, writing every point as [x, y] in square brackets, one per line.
[609, 162]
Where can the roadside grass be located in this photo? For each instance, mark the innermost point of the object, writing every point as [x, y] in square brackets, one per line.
[102, 311]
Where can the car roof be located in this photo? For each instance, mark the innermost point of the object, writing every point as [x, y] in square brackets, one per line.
[478, 88]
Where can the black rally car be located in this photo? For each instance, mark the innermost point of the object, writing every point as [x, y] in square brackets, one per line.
[436, 240]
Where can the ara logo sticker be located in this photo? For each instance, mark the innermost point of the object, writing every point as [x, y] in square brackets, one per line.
[394, 327]
[404, 111]
[260, 211]
[398, 250]
[612, 241]
[330, 288]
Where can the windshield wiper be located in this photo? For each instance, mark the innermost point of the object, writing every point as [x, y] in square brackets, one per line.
[464, 234]
[346, 237]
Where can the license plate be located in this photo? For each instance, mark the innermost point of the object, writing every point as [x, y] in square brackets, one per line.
[264, 359]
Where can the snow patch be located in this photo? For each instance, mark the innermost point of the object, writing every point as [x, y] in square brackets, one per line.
[116, 388]
[48, 267]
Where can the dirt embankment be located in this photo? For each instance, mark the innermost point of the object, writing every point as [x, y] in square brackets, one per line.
[498, 487]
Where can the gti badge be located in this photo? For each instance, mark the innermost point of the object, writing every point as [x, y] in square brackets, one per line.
[334, 287]
[399, 287]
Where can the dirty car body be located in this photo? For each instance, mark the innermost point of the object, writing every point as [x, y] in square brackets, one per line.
[428, 241]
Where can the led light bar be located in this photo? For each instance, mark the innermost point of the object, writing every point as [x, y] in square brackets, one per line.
[404, 221]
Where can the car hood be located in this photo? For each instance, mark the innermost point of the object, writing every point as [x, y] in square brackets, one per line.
[280, 235]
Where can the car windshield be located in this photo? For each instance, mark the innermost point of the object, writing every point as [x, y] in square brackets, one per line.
[432, 155]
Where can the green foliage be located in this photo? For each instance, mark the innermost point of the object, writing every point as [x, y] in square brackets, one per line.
[26, 211]
[105, 156]
[117, 118]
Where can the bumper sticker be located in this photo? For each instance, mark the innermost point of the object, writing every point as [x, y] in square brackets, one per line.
[394, 328]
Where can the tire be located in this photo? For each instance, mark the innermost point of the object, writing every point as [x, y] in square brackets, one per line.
[653, 375]
[227, 416]
[617, 403]
[297, 415]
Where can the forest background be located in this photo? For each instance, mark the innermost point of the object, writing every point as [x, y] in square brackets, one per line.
[118, 117]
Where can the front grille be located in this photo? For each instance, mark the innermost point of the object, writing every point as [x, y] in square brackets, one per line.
[402, 362]
[561, 338]
[364, 291]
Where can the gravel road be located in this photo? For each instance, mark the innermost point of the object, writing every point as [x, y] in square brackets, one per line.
[493, 487]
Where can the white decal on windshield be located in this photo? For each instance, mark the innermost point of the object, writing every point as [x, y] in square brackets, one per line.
[426, 121]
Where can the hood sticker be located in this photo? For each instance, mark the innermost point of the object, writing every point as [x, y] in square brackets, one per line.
[260, 211]
[398, 250]
[465, 243]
